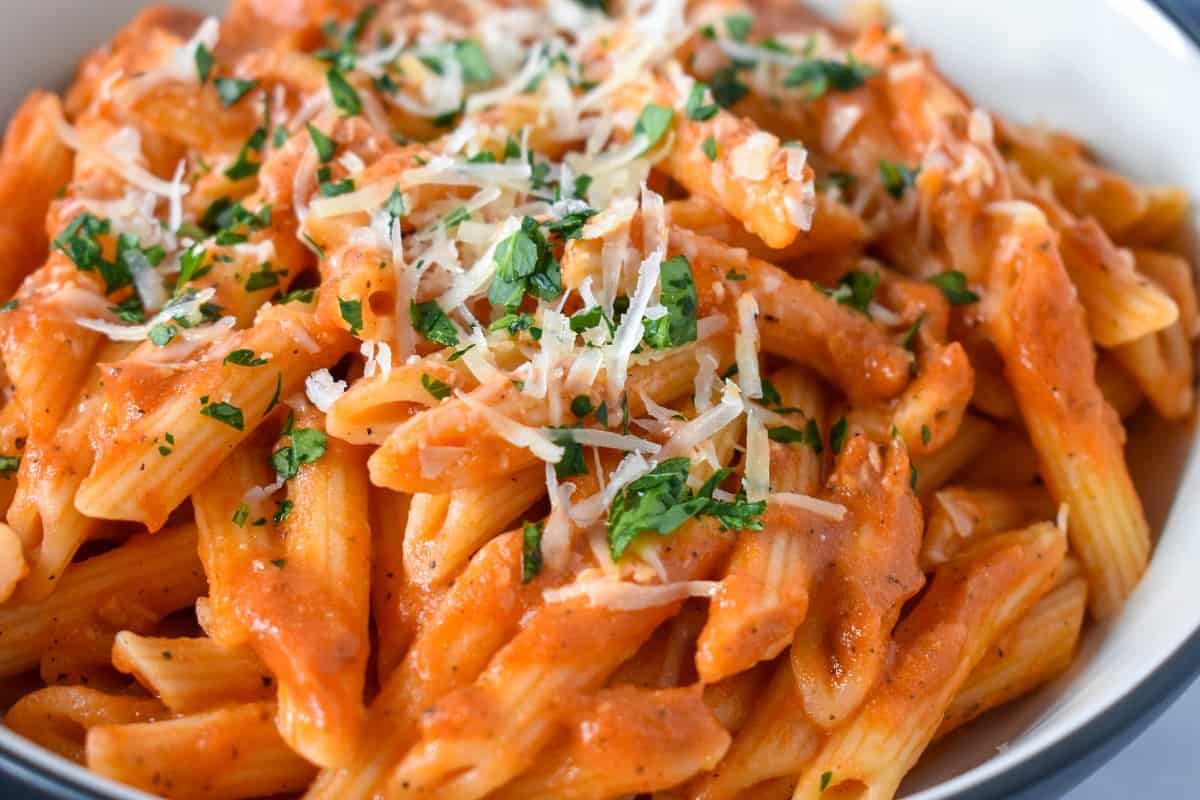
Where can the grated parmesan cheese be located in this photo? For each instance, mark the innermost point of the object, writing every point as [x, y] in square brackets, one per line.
[624, 596]
[824, 508]
[746, 347]
[322, 390]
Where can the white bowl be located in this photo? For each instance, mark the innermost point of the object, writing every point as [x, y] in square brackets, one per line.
[1120, 74]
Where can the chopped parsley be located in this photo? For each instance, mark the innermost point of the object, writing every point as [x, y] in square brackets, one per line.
[308, 445]
[709, 148]
[240, 515]
[661, 501]
[678, 295]
[431, 322]
[911, 334]
[926, 434]
[570, 226]
[456, 217]
[243, 166]
[263, 278]
[818, 76]
[327, 187]
[857, 290]
[275, 397]
[230, 90]
[581, 406]
[11, 305]
[457, 354]
[438, 389]
[162, 334]
[954, 286]
[812, 436]
[297, 296]
[345, 97]
[734, 275]
[727, 90]
[191, 266]
[514, 323]
[653, 124]
[525, 264]
[571, 464]
[395, 205]
[475, 67]
[204, 63]
[244, 358]
[531, 551]
[826, 777]
[351, 311]
[585, 320]
[224, 412]
[696, 109]
[897, 177]
[837, 436]
[283, 512]
[9, 465]
[325, 146]
[738, 26]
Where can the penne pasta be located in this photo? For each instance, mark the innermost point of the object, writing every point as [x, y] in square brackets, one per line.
[554, 401]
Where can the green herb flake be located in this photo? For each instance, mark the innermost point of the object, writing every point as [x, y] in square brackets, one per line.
[910, 335]
[837, 436]
[325, 147]
[695, 108]
[230, 90]
[162, 334]
[581, 406]
[525, 264]
[856, 289]
[275, 397]
[263, 278]
[531, 551]
[954, 286]
[243, 166]
[351, 311]
[653, 124]
[826, 777]
[738, 26]
[224, 412]
[475, 67]
[240, 515]
[661, 502]
[283, 512]
[818, 76]
[344, 95]
[431, 322]
[456, 217]
[438, 389]
[308, 445]
[897, 177]
[926, 434]
[678, 294]
[244, 358]
[709, 148]
[727, 90]
[204, 62]
[9, 465]
[785, 434]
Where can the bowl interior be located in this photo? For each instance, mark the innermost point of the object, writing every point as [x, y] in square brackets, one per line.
[1115, 72]
[1111, 72]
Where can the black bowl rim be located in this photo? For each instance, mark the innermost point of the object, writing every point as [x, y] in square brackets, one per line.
[1049, 772]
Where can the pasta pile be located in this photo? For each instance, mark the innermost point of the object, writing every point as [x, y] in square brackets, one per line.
[576, 399]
